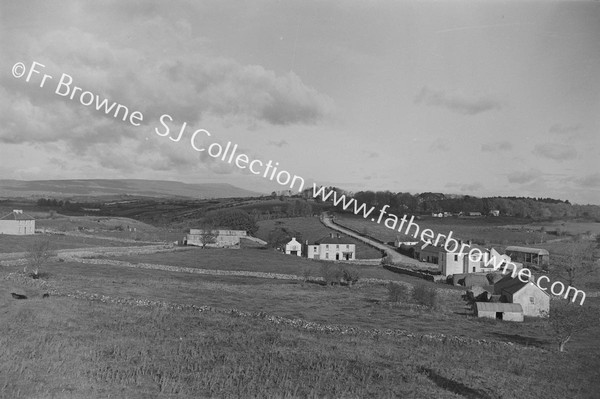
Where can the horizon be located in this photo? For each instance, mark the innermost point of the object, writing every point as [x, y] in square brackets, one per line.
[464, 98]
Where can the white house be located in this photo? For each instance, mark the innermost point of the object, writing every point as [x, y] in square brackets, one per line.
[222, 238]
[17, 223]
[331, 248]
[534, 301]
[293, 247]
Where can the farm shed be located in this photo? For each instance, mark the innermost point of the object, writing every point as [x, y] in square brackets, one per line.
[500, 311]
[17, 223]
[537, 256]
[293, 247]
[222, 238]
[534, 301]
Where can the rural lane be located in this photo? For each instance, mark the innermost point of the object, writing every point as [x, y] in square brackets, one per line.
[396, 257]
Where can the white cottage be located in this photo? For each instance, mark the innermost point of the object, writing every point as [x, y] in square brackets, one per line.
[17, 223]
[293, 247]
[332, 248]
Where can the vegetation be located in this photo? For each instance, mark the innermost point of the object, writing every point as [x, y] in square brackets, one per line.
[37, 256]
[425, 295]
[397, 292]
[567, 319]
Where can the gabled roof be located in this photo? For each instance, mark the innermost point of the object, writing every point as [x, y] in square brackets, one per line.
[536, 251]
[509, 285]
[498, 307]
[333, 240]
[17, 215]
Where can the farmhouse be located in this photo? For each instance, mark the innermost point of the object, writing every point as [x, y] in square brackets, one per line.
[293, 247]
[17, 223]
[536, 256]
[534, 301]
[331, 248]
[500, 311]
[219, 238]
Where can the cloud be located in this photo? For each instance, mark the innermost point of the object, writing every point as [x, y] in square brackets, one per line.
[456, 102]
[523, 177]
[279, 143]
[466, 187]
[589, 181]
[497, 146]
[555, 151]
[558, 128]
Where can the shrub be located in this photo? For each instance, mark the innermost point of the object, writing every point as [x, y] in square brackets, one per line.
[425, 295]
[330, 275]
[349, 275]
[396, 292]
[386, 261]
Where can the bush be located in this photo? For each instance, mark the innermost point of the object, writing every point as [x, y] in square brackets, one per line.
[349, 275]
[425, 295]
[330, 275]
[396, 292]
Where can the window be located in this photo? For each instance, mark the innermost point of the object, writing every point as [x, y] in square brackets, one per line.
[337, 246]
[456, 258]
[473, 269]
[531, 299]
[347, 246]
[326, 246]
[327, 255]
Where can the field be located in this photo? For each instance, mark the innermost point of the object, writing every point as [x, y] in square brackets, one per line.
[312, 229]
[117, 331]
[499, 231]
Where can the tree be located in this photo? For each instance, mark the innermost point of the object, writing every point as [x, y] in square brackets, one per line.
[567, 319]
[37, 256]
[208, 236]
[575, 263]
[235, 219]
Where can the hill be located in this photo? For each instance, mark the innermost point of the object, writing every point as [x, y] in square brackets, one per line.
[135, 187]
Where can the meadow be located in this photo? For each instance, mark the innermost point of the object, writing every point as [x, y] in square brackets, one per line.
[499, 231]
[139, 333]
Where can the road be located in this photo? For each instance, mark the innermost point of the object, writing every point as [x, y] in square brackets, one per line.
[396, 257]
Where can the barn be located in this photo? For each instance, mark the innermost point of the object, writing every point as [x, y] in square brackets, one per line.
[499, 311]
[17, 223]
[537, 256]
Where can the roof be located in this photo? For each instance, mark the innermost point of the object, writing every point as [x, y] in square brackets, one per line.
[511, 285]
[498, 307]
[537, 251]
[17, 215]
[333, 240]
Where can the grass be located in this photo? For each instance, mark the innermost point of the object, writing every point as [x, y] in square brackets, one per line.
[312, 229]
[11, 243]
[483, 230]
[70, 348]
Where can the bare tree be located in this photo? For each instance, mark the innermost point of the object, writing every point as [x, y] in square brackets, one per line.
[37, 256]
[567, 319]
[208, 236]
[576, 263]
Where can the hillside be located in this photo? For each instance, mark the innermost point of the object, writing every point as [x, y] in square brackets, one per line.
[134, 187]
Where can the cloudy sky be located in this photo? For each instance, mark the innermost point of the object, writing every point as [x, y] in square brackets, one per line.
[479, 98]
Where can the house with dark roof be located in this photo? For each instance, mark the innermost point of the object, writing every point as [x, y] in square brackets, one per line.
[331, 248]
[534, 301]
[17, 223]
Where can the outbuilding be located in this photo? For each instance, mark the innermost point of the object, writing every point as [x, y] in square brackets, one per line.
[293, 247]
[499, 311]
[537, 256]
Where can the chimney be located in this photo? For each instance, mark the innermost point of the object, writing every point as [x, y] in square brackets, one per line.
[17, 211]
[293, 238]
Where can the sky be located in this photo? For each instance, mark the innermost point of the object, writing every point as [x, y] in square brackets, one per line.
[464, 97]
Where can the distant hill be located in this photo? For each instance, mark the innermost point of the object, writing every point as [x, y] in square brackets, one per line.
[134, 187]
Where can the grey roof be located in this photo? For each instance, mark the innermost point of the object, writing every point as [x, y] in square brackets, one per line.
[17, 216]
[334, 240]
[537, 251]
[498, 307]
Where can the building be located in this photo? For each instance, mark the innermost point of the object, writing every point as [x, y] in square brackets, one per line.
[494, 212]
[293, 247]
[499, 311]
[331, 248]
[534, 301]
[451, 263]
[215, 238]
[536, 256]
[17, 223]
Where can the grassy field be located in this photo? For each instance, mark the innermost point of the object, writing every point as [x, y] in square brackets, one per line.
[10, 243]
[72, 348]
[312, 229]
[485, 230]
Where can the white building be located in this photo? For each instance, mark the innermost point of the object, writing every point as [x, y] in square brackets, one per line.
[222, 238]
[17, 223]
[332, 248]
[293, 247]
